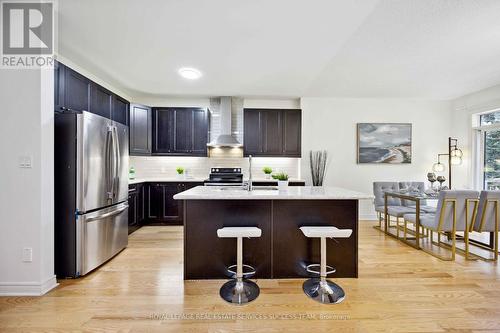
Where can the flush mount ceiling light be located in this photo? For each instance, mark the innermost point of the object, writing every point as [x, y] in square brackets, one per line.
[189, 73]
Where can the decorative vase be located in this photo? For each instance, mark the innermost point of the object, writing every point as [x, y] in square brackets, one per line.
[268, 176]
[441, 180]
[318, 161]
[180, 176]
[282, 184]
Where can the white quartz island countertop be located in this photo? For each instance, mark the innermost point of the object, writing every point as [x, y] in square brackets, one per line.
[291, 193]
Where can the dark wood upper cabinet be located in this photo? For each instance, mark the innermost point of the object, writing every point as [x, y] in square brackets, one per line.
[252, 133]
[76, 91]
[180, 131]
[120, 110]
[140, 130]
[199, 134]
[101, 101]
[292, 129]
[163, 136]
[272, 132]
[58, 86]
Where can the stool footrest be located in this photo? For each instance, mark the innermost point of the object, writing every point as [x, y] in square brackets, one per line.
[316, 269]
[232, 270]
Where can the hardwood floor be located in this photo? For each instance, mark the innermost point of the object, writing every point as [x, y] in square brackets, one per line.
[399, 289]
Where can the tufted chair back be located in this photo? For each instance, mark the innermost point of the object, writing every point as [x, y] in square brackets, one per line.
[379, 188]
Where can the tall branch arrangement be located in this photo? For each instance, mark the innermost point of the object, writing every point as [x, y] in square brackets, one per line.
[318, 161]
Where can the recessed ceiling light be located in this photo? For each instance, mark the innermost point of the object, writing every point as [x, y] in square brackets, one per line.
[190, 73]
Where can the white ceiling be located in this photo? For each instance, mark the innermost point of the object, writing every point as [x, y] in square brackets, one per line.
[432, 49]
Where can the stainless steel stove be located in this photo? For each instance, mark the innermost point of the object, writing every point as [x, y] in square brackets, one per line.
[225, 177]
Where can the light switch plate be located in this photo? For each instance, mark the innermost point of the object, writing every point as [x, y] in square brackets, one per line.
[25, 162]
[27, 254]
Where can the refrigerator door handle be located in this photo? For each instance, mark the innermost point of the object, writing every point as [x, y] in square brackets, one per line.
[109, 176]
[108, 214]
[116, 177]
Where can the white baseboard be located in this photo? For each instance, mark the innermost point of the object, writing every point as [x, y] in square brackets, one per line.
[368, 217]
[27, 288]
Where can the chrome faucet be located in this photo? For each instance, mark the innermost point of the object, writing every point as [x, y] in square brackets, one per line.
[249, 184]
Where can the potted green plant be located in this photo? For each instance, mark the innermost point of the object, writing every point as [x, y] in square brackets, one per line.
[282, 179]
[267, 171]
[180, 172]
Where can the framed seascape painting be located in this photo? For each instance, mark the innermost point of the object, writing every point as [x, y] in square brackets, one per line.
[384, 143]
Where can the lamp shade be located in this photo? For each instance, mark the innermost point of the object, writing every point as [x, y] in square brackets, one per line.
[456, 153]
[456, 160]
[438, 167]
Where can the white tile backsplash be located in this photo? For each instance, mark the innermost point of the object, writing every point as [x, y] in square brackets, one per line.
[199, 167]
[236, 118]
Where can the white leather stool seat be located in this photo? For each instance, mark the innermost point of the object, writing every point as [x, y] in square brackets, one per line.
[235, 232]
[329, 232]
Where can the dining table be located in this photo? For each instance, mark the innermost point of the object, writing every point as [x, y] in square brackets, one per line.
[418, 197]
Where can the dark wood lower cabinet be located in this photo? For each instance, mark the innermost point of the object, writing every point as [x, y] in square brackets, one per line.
[135, 207]
[154, 199]
[155, 205]
[282, 251]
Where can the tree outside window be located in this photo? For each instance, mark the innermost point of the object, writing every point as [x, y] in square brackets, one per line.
[491, 152]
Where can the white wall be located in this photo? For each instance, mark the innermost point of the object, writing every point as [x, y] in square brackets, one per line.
[90, 74]
[463, 110]
[284, 103]
[26, 198]
[330, 124]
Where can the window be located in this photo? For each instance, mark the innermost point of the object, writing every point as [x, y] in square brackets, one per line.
[491, 170]
[487, 152]
[489, 118]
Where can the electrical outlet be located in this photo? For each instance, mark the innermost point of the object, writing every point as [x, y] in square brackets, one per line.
[27, 254]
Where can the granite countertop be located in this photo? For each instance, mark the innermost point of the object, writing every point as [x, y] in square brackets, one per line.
[291, 193]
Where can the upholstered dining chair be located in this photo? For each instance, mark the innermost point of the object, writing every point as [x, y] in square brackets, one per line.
[455, 212]
[486, 219]
[394, 204]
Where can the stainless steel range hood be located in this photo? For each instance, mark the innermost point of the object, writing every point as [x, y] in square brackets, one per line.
[225, 139]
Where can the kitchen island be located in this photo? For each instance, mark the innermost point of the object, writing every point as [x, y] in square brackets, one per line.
[282, 251]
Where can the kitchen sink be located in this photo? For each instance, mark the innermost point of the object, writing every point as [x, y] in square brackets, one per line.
[255, 188]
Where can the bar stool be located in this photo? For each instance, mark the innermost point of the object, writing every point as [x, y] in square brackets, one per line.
[323, 290]
[239, 290]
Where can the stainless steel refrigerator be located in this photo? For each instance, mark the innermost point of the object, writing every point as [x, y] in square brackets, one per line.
[91, 191]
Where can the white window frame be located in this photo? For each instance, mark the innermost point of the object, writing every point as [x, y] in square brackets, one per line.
[478, 147]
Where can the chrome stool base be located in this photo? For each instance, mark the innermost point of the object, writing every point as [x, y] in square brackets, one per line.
[239, 292]
[326, 292]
